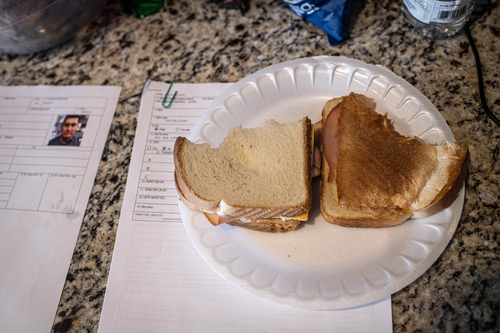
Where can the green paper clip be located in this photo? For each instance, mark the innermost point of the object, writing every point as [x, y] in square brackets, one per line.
[166, 95]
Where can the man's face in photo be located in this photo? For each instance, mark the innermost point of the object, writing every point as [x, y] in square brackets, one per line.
[68, 128]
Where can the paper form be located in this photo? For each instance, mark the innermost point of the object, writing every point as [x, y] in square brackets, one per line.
[158, 282]
[44, 189]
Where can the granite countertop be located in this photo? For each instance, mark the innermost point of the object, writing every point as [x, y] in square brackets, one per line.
[198, 42]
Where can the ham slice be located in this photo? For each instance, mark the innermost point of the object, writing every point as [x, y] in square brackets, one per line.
[331, 141]
[316, 167]
[216, 219]
[330, 136]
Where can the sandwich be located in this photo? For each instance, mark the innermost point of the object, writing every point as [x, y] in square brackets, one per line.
[257, 178]
[372, 176]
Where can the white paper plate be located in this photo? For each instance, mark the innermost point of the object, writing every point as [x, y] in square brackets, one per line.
[320, 265]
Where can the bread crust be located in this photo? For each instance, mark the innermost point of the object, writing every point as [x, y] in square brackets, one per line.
[197, 202]
[268, 225]
[195, 199]
[450, 191]
[365, 223]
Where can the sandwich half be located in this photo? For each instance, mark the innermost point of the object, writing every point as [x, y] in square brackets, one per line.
[257, 178]
[372, 176]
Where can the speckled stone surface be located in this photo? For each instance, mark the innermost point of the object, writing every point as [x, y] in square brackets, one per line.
[195, 42]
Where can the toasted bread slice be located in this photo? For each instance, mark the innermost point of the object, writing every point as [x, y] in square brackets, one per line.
[255, 173]
[382, 178]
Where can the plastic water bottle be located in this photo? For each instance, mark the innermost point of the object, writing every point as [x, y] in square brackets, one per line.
[437, 19]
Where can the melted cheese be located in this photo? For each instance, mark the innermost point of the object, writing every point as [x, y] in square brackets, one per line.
[302, 217]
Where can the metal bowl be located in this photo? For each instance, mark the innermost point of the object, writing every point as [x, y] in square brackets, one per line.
[28, 26]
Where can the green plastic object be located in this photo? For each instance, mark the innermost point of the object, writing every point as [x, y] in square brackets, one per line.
[141, 8]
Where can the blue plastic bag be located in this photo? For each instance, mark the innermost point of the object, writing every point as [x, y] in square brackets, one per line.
[331, 16]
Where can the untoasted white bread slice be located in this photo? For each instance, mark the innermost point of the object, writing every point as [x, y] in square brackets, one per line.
[255, 173]
[383, 178]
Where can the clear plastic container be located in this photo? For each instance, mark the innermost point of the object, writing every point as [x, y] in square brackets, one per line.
[28, 26]
[437, 19]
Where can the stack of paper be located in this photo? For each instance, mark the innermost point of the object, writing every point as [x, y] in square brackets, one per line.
[158, 282]
[44, 190]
